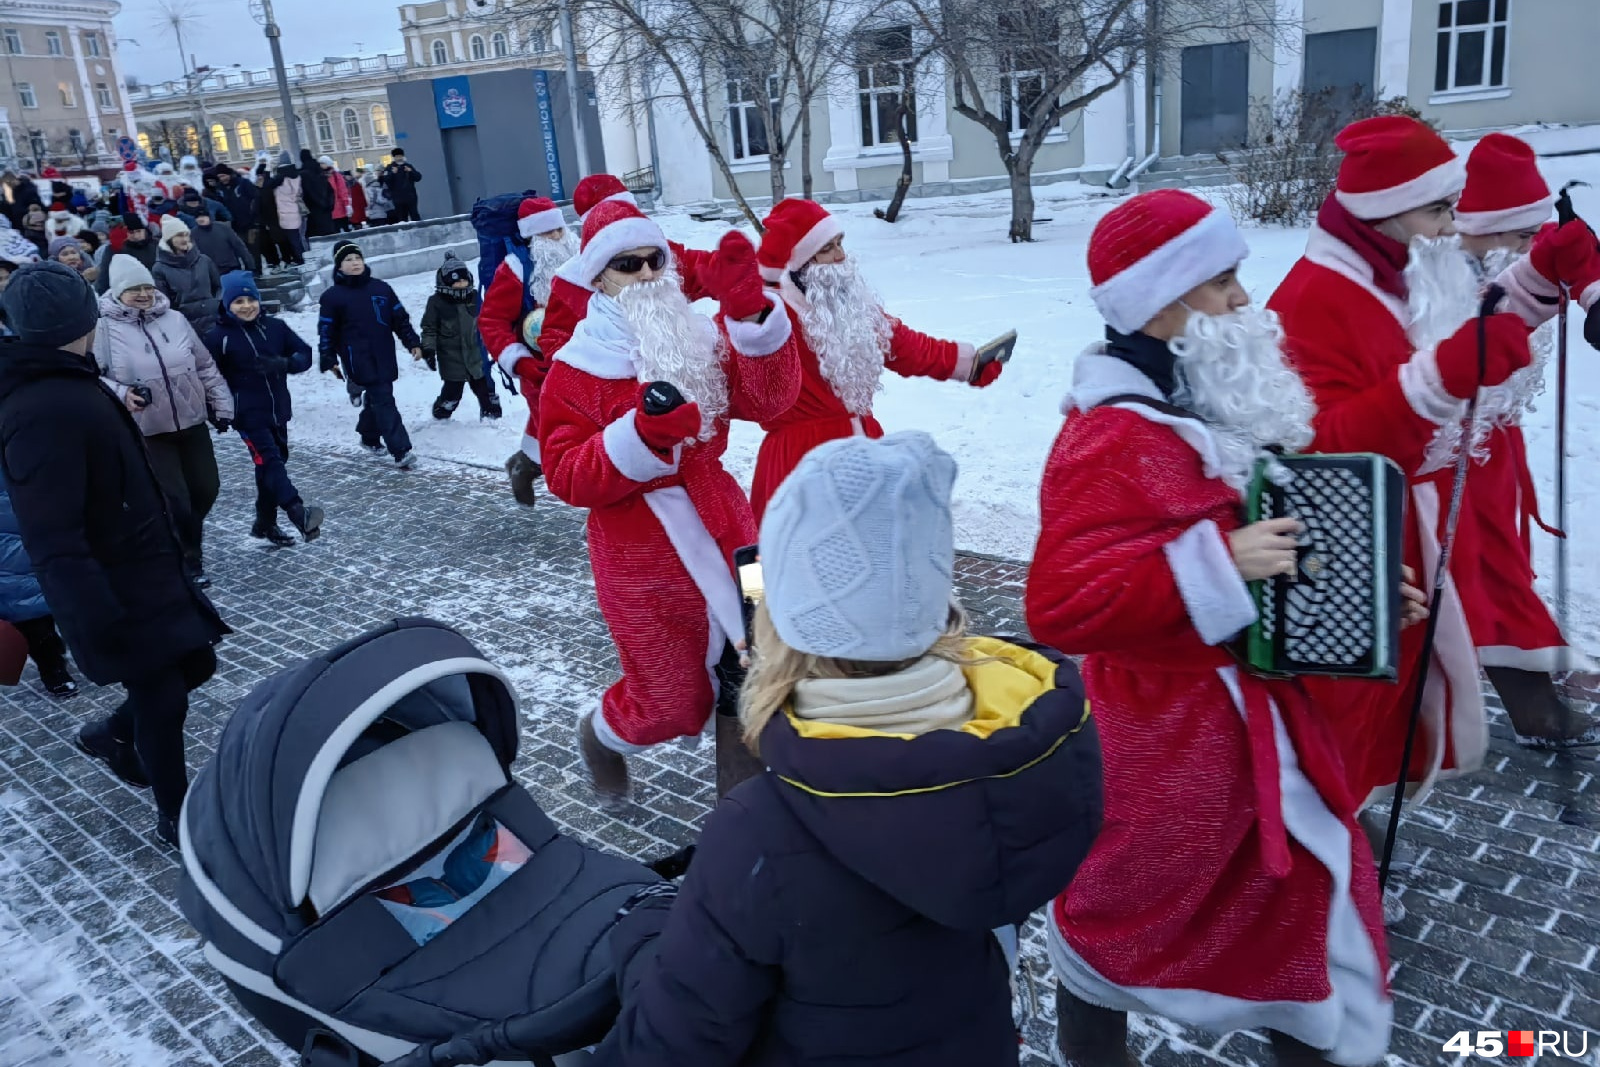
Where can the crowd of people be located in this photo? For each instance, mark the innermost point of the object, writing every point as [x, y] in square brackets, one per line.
[903, 792]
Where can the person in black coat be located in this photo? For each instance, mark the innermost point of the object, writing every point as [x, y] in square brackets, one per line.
[359, 321]
[400, 180]
[240, 198]
[94, 521]
[317, 192]
[924, 793]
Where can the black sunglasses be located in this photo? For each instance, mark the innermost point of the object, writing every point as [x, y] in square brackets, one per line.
[634, 264]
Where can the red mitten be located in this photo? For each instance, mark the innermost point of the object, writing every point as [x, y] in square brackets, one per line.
[665, 432]
[1566, 254]
[1506, 352]
[989, 375]
[732, 276]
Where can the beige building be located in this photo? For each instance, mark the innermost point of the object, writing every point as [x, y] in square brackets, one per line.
[61, 100]
[476, 35]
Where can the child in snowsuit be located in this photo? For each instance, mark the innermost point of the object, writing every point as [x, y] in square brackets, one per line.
[450, 341]
[360, 319]
[256, 354]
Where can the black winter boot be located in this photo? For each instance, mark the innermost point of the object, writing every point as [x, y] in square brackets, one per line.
[523, 471]
[96, 740]
[443, 409]
[1539, 716]
[1088, 1035]
[57, 679]
[307, 519]
[608, 770]
[490, 410]
[271, 533]
[1292, 1053]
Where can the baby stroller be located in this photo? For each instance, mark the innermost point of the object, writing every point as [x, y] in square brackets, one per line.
[372, 883]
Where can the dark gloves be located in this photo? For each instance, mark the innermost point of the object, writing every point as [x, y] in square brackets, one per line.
[1506, 344]
[330, 362]
[355, 391]
[431, 358]
[734, 278]
[1591, 327]
[666, 431]
[222, 425]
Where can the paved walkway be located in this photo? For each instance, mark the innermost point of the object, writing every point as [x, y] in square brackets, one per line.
[97, 968]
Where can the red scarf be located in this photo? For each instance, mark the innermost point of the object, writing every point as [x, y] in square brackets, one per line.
[1386, 256]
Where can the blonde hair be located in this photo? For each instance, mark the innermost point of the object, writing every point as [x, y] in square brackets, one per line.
[776, 669]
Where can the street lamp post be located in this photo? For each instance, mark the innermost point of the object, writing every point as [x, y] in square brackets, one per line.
[570, 47]
[262, 10]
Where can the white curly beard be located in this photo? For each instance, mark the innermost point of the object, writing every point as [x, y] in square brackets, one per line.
[677, 345]
[1233, 374]
[1505, 404]
[843, 322]
[546, 256]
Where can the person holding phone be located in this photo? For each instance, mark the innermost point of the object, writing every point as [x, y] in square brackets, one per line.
[846, 341]
[633, 423]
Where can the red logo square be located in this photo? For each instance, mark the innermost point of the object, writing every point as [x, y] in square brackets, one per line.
[1519, 1043]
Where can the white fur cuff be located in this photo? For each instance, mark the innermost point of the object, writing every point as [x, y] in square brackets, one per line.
[761, 338]
[1589, 297]
[1214, 595]
[966, 356]
[514, 353]
[1425, 391]
[530, 447]
[610, 738]
[631, 456]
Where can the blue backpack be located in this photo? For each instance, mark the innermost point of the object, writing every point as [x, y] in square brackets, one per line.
[494, 220]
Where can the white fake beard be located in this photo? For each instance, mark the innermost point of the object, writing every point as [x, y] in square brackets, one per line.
[677, 345]
[1233, 374]
[545, 258]
[1443, 286]
[1505, 404]
[843, 322]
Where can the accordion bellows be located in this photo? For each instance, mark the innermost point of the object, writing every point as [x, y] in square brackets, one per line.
[1340, 613]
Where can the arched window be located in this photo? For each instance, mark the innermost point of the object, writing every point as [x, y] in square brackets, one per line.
[476, 45]
[191, 138]
[380, 124]
[497, 45]
[324, 129]
[352, 128]
[440, 55]
[219, 138]
[245, 137]
[144, 143]
[269, 132]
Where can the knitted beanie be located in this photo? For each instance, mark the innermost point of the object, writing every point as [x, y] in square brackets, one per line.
[171, 226]
[127, 272]
[342, 250]
[858, 549]
[49, 304]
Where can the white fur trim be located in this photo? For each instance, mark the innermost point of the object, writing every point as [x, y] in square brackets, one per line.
[1440, 183]
[631, 456]
[514, 353]
[1096, 377]
[966, 356]
[1528, 293]
[1215, 596]
[541, 222]
[761, 338]
[1135, 296]
[634, 232]
[771, 274]
[530, 447]
[1539, 660]
[1589, 297]
[702, 557]
[1526, 217]
[1326, 250]
[1425, 391]
[625, 197]
[826, 229]
[610, 738]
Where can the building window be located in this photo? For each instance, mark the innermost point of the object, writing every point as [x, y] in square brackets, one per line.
[269, 132]
[144, 143]
[749, 118]
[102, 93]
[41, 150]
[441, 55]
[1036, 44]
[380, 124]
[191, 138]
[52, 43]
[68, 97]
[361, 163]
[300, 131]
[324, 129]
[537, 42]
[91, 44]
[13, 42]
[352, 128]
[244, 137]
[883, 76]
[476, 47]
[5, 145]
[25, 94]
[75, 140]
[497, 45]
[1470, 49]
[219, 139]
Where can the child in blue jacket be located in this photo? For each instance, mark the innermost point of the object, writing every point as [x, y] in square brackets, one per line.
[256, 354]
[361, 316]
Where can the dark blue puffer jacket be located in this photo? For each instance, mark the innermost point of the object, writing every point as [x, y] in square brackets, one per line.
[257, 359]
[361, 317]
[21, 598]
[840, 908]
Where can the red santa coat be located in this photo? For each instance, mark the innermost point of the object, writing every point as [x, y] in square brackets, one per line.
[1348, 341]
[1227, 812]
[819, 415]
[662, 530]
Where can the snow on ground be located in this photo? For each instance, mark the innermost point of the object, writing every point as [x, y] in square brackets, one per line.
[947, 268]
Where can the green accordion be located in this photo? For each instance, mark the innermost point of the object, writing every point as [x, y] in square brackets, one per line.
[1340, 614]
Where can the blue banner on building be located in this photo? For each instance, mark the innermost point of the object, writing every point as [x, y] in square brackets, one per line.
[547, 126]
[453, 98]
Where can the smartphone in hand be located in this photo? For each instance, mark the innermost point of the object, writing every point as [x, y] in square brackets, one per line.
[997, 351]
[747, 563]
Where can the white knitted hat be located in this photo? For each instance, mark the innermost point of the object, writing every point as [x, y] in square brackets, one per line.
[858, 549]
[127, 272]
[171, 226]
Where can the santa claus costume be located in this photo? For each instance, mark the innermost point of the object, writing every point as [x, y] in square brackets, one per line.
[664, 516]
[569, 303]
[1519, 644]
[1391, 374]
[845, 338]
[519, 288]
[1227, 811]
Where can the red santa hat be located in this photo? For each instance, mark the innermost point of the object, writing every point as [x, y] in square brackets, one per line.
[794, 231]
[1147, 252]
[1394, 164]
[597, 189]
[611, 229]
[536, 215]
[1505, 191]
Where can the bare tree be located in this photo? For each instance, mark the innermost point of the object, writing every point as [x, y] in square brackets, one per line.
[1020, 67]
